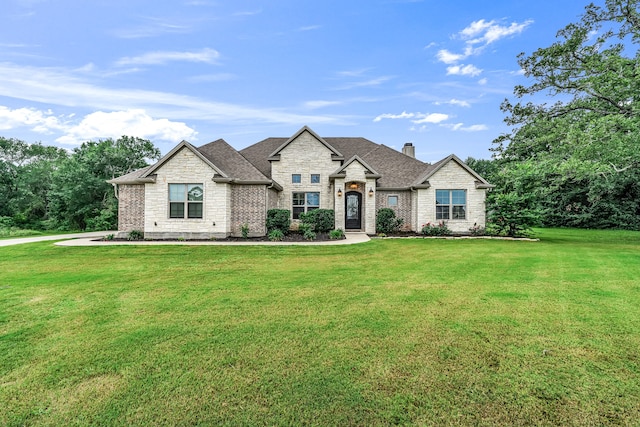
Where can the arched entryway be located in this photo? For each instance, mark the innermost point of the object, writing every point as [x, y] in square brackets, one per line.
[353, 210]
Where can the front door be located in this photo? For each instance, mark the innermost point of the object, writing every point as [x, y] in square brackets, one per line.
[353, 209]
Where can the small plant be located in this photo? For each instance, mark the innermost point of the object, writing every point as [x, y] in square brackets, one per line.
[135, 235]
[477, 230]
[276, 235]
[309, 235]
[386, 221]
[244, 229]
[109, 237]
[336, 234]
[439, 229]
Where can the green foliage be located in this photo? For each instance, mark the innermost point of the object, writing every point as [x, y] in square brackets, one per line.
[386, 221]
[511, 214]
[336, 234]
[278, 219]
[135, 235]
[244, 229]
[321, 220]
[584, 145]
[439, 229]
[309, 235]
[276, 235]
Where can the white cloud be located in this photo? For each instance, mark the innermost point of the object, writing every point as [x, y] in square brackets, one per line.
[454, 101]
[463, 70]
[60, 87]
[403, 115]
[309, 28]
[157, 58]
[477, 36]
[419, 118]
[219, 77]
[431, 118]
[449, 58]
[483, 82]
[153, 27]
[377, 81]
[38, 121]
[320, 104]
[461, 127]
[138, 123]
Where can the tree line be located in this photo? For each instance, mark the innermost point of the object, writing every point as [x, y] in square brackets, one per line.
[48, 188]
[572, 156]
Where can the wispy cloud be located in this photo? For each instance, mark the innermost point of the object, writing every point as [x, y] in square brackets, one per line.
[376, 81]
[310, 28]
[456, 102]
[219, 77]
[313, 105]
[477, 36]
[153, 27]
[61, 87]
[417, 118]
[464, 70]
[206, 55]
[462, 128]
[248, 12]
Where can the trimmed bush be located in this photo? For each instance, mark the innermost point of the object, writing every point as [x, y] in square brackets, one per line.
[439, 229]
[278, 219]
[321, 220]
[386, 221]
[336, 234]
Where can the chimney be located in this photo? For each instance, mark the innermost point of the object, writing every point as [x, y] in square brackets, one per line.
[409, 150]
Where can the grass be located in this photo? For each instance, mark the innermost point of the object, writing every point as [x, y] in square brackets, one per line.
[391, 332]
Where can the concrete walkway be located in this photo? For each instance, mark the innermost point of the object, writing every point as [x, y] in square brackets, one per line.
[88, 236]
[351, 238]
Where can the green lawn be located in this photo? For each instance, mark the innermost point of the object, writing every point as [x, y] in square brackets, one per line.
[395, 331]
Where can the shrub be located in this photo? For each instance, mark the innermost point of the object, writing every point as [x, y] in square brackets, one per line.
[336, 234]
[439, 229]
[278, 219]
[321, 220]
[135, 235]
[386, 221]
[309, 235]
[276, 235]
[244, 229]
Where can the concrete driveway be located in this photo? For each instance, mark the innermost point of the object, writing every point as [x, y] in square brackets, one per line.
[21, 240]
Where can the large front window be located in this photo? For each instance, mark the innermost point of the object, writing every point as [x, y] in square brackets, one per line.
[451, 204]
[304, 202]
[185, 200]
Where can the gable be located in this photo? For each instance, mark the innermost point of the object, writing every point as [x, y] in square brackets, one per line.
[303, 140]
[453, 171]
[185, 148]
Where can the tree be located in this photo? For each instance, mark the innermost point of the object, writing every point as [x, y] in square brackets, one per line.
[588, 137]
[81, 197]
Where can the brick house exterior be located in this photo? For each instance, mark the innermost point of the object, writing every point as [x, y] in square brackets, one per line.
[213, 190]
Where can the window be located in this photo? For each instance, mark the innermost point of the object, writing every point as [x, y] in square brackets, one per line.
[304, 202]
[296, 178]
[315, 178]
[392, 201]
[185, 199]
[451, 204]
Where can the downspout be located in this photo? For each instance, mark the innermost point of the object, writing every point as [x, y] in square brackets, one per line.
[115, 190]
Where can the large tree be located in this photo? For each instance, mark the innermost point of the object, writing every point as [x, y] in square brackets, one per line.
[81, 197]
[584, 146]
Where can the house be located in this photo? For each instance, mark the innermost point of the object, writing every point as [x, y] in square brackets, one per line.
[213, 190]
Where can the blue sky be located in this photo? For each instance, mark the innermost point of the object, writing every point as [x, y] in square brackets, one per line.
[394, 71]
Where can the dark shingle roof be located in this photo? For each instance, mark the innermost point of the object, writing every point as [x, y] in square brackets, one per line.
[397, 169]
[131, 177]
[232, 163]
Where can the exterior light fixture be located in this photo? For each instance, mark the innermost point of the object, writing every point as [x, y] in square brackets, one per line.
[339, 192]
[353, 186]
[370, 192]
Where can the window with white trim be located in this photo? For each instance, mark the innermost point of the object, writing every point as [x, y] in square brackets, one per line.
[392, 201]
[304, 202]
[451, 204]
[185, 200]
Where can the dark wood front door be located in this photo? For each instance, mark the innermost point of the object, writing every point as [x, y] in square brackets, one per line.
[353, 210]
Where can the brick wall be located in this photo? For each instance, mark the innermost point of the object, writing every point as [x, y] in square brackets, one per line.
[130, 207]
[248, 206]
[404, 208]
